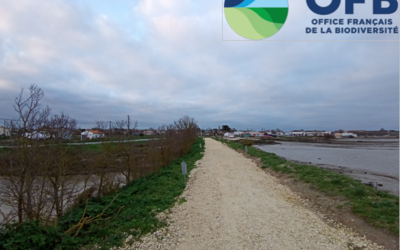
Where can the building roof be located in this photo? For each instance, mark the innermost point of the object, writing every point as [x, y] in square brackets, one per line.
[96, 131]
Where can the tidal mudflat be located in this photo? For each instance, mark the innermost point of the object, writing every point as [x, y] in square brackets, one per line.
[368, 160]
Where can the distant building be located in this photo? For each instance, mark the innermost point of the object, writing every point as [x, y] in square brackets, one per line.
[297, 133]
[230, 135]
[309, 133]
[349, 135]
[255, 133]
[338, 135]
[238, 133]
[5, 131]
[38, 135]
[91, 134]
[148, 132]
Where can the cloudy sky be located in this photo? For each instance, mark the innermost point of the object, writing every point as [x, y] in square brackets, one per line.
[157, 60]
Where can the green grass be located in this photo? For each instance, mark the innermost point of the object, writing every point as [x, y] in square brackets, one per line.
[85, 147]
[182, 200]
[99, 147]
[378, 208]
[4, 150]
[114, 138]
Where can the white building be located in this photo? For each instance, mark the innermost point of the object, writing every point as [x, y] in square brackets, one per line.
[91, 134]
[297, 133]
[5, 131]
[39, 135]
[349, 135]
[309, 133]
[230, 135]
[255, 133]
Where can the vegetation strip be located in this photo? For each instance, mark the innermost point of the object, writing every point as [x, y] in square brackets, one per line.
[106, 221]
[378, 208]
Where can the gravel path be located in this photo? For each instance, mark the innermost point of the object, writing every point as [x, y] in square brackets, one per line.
[233, 204]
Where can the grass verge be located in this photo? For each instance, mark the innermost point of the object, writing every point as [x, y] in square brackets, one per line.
[378, 208]
[87, 146]
[131, 211]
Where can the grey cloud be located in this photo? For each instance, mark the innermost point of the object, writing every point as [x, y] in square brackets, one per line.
[93, 68]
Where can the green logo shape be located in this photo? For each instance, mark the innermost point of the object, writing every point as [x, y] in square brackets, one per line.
[256, 19]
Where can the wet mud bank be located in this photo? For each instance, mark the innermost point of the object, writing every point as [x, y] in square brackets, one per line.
[377, 180]
[373, 162]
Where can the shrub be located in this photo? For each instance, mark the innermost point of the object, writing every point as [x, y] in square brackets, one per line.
[28, 235]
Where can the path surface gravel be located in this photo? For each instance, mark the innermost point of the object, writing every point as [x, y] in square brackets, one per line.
[233, 204]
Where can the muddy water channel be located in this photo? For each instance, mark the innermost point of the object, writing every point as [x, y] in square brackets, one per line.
[74, 188]
[374, 161]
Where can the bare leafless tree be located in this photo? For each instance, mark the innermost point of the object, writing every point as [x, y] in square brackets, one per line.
[64, 161]
[100, 124]
[186, 123]
[34, 174]
[30, 115]
[120, 124]
[20, 177]
[130, 127]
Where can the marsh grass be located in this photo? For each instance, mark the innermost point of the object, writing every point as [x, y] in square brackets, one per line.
[88, 147]
[101, 146]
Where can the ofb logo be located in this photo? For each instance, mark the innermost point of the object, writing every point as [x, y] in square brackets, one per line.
[256, 19]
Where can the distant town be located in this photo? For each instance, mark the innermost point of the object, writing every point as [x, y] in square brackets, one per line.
[225, 130]
[231, 133]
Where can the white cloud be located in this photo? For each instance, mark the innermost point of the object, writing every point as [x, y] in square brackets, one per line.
[168, 60]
